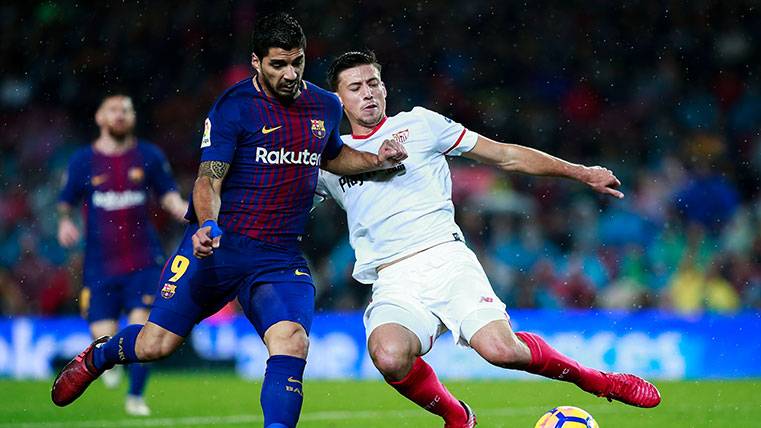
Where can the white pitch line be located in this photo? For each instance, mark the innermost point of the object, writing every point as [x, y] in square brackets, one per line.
[309, 416]
[248, 419]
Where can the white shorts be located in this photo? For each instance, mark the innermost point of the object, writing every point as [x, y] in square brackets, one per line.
[442, 288]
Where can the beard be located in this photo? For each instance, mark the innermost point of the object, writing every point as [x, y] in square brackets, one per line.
[120, 132]
[280, 94]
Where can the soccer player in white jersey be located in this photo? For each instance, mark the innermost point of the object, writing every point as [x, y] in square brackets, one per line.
[425, 279]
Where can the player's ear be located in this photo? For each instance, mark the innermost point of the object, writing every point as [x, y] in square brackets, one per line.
[255, 62]
[99, 116]
[383, 89]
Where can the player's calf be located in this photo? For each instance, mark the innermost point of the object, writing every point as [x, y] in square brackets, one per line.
[155, 342]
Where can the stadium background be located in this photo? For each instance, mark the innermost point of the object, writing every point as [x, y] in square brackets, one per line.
[666, 94]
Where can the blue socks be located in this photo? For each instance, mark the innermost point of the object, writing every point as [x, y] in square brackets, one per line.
[282, 391]
[120, 349]
[138, 375]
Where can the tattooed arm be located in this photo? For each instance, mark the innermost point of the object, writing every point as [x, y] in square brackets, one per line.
[207, 189]
[206, 202]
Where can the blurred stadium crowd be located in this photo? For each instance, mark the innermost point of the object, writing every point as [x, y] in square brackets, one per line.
[667, 95]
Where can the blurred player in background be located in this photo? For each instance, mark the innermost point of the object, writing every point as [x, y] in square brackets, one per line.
[263, 144]
[425, 279]
[123, 255]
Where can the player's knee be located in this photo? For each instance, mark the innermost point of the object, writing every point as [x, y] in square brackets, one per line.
[393, 360]
[287, 339]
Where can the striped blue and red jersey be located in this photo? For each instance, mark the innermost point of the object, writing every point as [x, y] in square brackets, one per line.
[274, 151]
[119, 236]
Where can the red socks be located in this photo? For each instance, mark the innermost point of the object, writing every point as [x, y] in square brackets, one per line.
[548, 362]
[422, 387]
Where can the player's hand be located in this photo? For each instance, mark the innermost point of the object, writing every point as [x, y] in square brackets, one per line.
[392, 152]
[603, 181]
[173, 203]
[68, 234]
[206, 239]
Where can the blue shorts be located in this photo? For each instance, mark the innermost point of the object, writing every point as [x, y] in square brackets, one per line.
[271, 283]
[104, 298]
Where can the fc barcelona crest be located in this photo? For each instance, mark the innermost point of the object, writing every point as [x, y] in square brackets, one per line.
[318, 128]
[168, 291]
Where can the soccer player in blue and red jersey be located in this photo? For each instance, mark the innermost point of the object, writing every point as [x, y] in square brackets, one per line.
[264, 140]
[114, 177]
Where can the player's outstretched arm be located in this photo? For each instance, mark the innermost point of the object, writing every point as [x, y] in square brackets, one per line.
[68, 234]
[517, 158]
[350, 161]
[207, 192]
[173, 203]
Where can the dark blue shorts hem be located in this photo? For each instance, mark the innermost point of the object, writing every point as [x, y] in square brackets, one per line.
[172, 321]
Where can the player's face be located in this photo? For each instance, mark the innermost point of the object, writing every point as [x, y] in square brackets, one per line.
[281, 72]
[363, 95]
[116, 116]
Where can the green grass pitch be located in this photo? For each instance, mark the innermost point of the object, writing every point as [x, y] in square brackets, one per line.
[221, 400]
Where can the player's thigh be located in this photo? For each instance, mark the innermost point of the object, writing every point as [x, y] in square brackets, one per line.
[497, 343]
[188, 290]
[139, 289]
[103, 299]
[399, 318]
[459, 292]
[267, 304]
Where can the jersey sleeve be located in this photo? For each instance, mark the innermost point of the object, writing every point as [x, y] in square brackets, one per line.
[74, 180]
[159, 172]
[321, 193]
[322, 190]
[334, 144]
[451, 138]
[220, 133]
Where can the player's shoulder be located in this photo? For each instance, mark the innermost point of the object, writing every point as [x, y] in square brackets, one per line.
[419, 116]
[82, 155]
[324, 94]
[422, 112]
[415, 113]
[148, 148]
[234, 95]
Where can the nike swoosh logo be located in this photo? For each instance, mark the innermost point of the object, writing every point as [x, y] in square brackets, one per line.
[291, 379]
[300, 273]
[266, 130]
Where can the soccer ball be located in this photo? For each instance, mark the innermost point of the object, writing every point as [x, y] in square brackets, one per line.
[566, 417]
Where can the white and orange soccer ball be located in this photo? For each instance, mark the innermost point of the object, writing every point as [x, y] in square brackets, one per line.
[566, 417]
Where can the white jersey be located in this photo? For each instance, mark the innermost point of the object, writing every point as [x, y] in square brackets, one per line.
[396, 212]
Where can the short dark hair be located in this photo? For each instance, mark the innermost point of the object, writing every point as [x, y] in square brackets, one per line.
[278, 30]
[350, 60]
